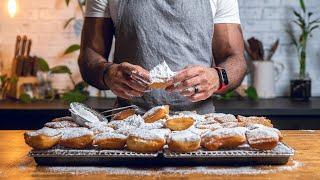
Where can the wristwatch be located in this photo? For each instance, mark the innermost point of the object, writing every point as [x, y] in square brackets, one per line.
[223, 78]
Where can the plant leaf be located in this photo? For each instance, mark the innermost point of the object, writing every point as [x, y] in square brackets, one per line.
[74, 96]
[252, 93]
[68, 22]
[3, 78]
[302, 5]
[81, 86]
[25, 98]
[314, 27]
[315, 21]
[72, 48]
[293, 38]
[60, 70]
[43, 65]
[297, 14]
[13, 79]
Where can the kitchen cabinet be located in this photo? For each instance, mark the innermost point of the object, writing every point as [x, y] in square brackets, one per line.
[285, 113]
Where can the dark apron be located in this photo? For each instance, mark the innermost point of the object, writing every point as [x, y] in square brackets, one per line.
[179, 32]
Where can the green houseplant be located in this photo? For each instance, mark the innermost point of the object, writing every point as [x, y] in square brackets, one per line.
[79, 92]
[301, 84]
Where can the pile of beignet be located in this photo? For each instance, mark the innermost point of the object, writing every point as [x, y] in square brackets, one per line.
[181, 132]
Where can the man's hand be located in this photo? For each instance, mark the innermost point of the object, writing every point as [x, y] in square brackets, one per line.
[206, 80]
[127, 81]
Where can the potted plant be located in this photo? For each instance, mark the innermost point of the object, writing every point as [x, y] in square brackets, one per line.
[265, 71]
[301, 82]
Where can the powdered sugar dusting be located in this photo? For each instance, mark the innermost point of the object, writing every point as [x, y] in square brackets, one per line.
[146, 134]
[132, 121]
[125, 130]
[254, 136]
[152, 111]
[44, 131]
[61, 124]
[184, 136]
[206, 170]
[161, 73]
[101, 129]
[161, 132]
[222, 132]
[68, 133]
[155, 125]
[197, 130]
[226, 118]
[209, 126]
[109, 135]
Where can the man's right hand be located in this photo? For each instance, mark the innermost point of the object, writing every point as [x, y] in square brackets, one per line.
[127, 80]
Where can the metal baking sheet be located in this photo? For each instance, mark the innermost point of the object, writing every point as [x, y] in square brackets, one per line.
[240, 156]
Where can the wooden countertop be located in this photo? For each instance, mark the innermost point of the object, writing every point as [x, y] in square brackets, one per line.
[15, 164]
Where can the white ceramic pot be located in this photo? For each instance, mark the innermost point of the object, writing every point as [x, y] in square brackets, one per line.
[265, 75]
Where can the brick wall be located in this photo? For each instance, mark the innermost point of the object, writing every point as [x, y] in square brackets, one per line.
[43, 20]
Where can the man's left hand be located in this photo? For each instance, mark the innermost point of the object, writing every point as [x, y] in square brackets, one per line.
[197, 83]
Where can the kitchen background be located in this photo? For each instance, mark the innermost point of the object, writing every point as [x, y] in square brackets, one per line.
[43, 21]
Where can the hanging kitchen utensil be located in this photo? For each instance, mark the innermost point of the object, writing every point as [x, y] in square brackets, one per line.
[27, 65]
[16, 53]
[272, 50]
[20, 58]
[256, 49]
[112, 112]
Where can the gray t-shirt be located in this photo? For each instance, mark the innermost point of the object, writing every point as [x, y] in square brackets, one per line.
[223, 11]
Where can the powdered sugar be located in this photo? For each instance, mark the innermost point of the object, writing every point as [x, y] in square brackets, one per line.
[152, 111]
[61, 124]
[96, 124]
[161, 73]
[255, 126]
[209, 126]
[68, 133]
[146, 134]
[229, 124]
[132, 121]
[197, 130]
[44, 131]
[155, 125]
[109, 135]
[223, 132]
[226, 118]
[205, 170]
[125, 130]
[101, 129]
[261, 135]
[161, 132]
[184, 136]
[180, 116]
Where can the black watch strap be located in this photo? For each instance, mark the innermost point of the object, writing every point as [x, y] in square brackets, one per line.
[223, 78]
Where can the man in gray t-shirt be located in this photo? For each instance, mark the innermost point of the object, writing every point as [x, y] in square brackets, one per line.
[200, 40]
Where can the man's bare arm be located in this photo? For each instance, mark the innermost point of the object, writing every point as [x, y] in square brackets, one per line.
[228, 51]
[96, 41]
